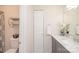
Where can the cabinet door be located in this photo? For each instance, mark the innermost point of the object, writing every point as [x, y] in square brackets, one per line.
[53, 45]
[58, 47]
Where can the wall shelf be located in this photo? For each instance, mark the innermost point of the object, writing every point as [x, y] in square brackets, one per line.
[13, 22]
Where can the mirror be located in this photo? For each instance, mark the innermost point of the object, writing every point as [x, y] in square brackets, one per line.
[71, 16]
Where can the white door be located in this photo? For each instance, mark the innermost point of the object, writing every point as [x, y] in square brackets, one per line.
[38, 31]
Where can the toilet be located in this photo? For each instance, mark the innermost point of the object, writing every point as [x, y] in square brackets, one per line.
[14, 46]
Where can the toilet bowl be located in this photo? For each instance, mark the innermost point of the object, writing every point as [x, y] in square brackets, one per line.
[11, 51]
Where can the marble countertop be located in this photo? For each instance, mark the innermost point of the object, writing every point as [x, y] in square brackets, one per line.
[69, 43]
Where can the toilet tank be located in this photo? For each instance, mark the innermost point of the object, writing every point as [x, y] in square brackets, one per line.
[14, 43]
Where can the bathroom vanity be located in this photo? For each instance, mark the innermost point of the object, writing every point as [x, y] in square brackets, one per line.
[63, 44]
[58, 47]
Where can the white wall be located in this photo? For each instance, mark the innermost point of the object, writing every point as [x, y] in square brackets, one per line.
[26, 29]
[53, 15]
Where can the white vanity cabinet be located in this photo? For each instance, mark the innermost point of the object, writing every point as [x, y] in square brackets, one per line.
[57, 47]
